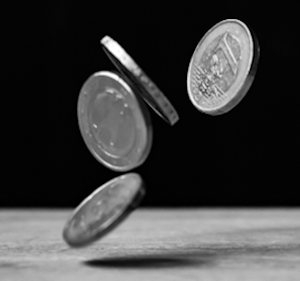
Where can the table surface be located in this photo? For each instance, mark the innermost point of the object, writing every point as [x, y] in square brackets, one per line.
[156, 244]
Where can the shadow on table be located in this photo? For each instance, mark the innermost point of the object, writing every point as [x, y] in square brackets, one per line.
[198, 256]
[149, 261]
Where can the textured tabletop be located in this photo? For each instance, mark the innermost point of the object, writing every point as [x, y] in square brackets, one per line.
[156, 244]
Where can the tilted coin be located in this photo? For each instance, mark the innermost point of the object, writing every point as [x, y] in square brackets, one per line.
[103, 210]
[114, 122]
[222, 67]
[147, 88]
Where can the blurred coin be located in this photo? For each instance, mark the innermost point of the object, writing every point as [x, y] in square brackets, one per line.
[103, 210]
[114, 122]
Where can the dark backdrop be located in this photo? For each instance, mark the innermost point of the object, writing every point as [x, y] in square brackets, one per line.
[247, 157]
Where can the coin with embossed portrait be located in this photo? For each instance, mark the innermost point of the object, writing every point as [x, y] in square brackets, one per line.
[223, 67]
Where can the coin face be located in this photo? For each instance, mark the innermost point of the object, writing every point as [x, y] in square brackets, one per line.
[114, 122]
[222, 67]
[148, 90]
[103, 210]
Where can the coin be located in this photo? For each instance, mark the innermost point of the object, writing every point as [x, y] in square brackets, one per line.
[149, 91]
[114, 122]
[222, 67]
[103, 210]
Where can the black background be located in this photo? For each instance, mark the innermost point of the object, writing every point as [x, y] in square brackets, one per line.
[246, 157]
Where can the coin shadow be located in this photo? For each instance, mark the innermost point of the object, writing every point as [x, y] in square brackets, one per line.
[149, 261]
[196, 256]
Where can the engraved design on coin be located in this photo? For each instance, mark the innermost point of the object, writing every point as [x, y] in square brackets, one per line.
[217, 69]
[103, 210]
[220, 66]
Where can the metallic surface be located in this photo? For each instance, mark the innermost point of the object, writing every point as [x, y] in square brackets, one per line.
[222, 65]
[148, 90]
[103, 210]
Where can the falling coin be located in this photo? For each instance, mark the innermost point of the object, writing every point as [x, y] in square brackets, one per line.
[223, 67]
[103, 210]
[148, 90]
[114, 122]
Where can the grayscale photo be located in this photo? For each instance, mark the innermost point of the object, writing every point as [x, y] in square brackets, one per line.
[150, 141]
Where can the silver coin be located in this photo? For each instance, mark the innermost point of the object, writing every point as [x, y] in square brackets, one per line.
[114, 122]
[223, 67]
[148, 90]
[103, 210]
